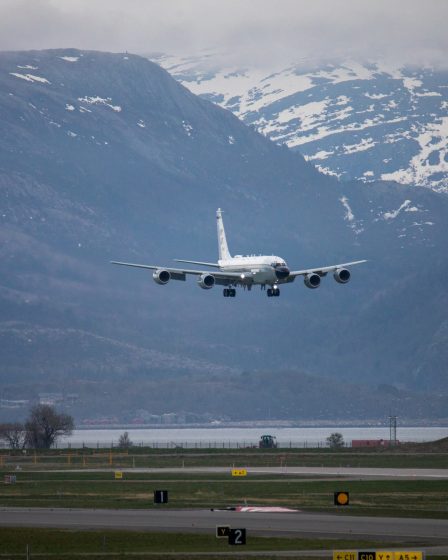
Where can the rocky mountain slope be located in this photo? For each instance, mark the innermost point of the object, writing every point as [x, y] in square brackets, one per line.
[351, 120]
[106, 157]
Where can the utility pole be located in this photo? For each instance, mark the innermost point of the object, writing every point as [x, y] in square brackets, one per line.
[392, 430]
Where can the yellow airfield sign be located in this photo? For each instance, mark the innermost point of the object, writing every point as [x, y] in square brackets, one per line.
[118, 475]
[239, 472]
[384, 555]
[345, 555]
[409, 555]
[378, 555]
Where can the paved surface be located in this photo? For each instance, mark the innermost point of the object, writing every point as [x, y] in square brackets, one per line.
[346, 472]
[430, 531]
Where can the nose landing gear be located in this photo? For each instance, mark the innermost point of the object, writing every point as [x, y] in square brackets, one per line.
[229, 292]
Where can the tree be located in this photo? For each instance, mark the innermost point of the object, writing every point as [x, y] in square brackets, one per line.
[335, 440]
[125, 441]
[45, 425]
[14, 434]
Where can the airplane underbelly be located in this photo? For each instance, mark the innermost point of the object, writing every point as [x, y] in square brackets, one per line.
[263, 276]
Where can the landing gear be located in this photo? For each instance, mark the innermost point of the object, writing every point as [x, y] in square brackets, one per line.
[229, 292]
[273, 292]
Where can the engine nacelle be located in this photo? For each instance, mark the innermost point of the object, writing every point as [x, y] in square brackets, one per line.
[342, 275]
[312, 280]
[206, 281]
[161, 276]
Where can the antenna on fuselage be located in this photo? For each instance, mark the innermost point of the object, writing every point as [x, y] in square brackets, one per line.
[223, 249]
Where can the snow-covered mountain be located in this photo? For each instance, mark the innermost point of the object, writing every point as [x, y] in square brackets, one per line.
[106, 157]
[354, 121]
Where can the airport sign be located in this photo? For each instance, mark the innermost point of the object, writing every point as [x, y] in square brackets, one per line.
[237, 537]
[341, 499]
[160, 496]
[378, 555]
[222, 531]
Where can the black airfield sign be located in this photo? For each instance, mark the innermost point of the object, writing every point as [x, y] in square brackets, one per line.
[160, 496]
[237, 536]
[222, 531]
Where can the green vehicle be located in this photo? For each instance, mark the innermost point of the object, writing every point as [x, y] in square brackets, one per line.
[267, 442]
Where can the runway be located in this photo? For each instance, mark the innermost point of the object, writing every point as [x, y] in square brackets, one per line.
[301, 524]
[354, 473]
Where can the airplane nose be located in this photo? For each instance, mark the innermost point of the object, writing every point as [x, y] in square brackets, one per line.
[282, 272]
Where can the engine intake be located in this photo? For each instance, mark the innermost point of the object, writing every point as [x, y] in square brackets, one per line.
[312, 280]
[341, 275]
[206, 281]
[161, 276]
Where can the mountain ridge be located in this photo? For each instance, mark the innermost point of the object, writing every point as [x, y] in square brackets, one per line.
[367, 121]
[83, 183]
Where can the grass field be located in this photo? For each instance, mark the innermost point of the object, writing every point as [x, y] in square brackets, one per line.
[414, 498]
[148, 457]
[47, 543]
[40, 484]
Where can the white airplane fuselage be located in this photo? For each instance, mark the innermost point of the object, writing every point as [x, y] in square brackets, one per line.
[257, 269]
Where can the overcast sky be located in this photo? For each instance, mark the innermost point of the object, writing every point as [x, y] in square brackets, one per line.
[249, 31]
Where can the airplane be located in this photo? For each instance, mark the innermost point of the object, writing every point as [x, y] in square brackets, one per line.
[245, 271]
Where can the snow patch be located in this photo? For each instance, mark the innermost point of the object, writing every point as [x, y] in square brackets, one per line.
[71, 134]
[187, 127]
[428, 94]
[69, 58]
[328, 171]
[375, 95]
[411, 83]
[69, 107]
[355, 225]
[394, 213]
[319, 155]
[231, 140]
[141, 124]
[96, 100]
[28, 67]
[349, 216]
[432, 138]
[365, 144]
[30, 78]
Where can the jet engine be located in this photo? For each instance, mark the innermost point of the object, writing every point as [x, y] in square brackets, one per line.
[341, 275]
[206, 281]
[312, 280]
[161, 276]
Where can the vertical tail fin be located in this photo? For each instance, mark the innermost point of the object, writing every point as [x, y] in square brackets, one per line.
[222, 241]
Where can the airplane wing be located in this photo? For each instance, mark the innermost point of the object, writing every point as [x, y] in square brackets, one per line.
[322, 271]
[222, 278]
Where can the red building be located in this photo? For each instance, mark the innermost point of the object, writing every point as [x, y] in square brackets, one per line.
[371, 443]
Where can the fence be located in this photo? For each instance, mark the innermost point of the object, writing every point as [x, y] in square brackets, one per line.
[203, 444]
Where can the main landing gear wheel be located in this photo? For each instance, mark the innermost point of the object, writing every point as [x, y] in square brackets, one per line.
[229, 292]
[273, 292]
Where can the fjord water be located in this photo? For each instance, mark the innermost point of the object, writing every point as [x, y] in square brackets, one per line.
[235, 437]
